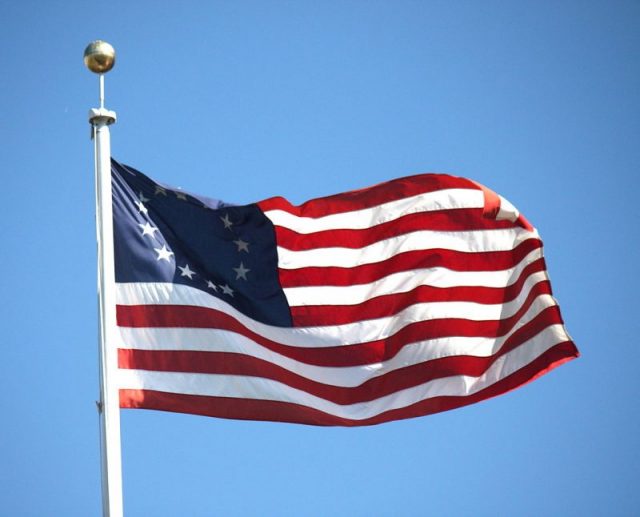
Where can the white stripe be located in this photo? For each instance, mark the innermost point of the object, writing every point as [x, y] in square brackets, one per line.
[368, 217]
[302, 337]
[507, 211]
[258, 388]
[213, 340]
[477, 241]
[404, 281]
[464, 310]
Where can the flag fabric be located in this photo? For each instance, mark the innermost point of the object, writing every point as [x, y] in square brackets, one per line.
[414, 296]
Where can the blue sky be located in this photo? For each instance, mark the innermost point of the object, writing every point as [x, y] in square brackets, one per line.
[245, 100]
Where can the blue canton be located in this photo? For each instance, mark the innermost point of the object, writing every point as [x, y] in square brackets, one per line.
[163, 234]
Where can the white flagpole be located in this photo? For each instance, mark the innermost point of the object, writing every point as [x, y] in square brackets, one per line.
[99, 57]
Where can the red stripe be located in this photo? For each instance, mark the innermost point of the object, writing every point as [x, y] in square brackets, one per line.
[239, 364]
[167, 316]
[248, 409]
[410, 260]
[492, 207]
[446, 221]
[491, 201]
[369, 197]
[387, 305]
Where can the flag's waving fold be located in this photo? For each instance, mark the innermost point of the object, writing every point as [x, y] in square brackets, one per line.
[411, 297]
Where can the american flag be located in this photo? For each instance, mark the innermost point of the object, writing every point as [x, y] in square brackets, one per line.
[414, 296]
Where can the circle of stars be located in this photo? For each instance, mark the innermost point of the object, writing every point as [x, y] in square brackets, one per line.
[166, 255]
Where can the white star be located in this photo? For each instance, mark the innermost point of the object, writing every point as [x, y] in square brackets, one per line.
[227, 222]
[211, 285]
[242, 245]
[185, 271]
[241, 271]
[181, 195]
[227, 290]
[164, 253]
[160, 190]
[141, 207]
[147, 229]
[142, 198]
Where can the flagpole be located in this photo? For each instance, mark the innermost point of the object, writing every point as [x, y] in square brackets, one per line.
[99, 57]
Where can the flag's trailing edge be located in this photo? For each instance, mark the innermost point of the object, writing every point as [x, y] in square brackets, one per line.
[408, 298]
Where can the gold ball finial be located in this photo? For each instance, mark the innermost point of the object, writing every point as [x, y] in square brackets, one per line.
[99, 57]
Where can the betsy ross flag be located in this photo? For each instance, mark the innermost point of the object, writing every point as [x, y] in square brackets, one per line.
[411, 297]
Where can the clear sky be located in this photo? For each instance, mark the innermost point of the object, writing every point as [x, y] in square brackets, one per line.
[245, 100]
